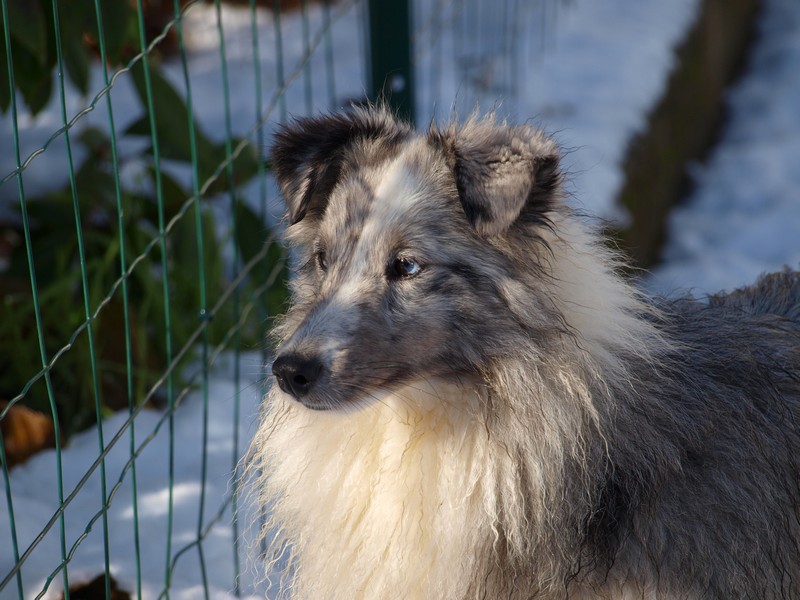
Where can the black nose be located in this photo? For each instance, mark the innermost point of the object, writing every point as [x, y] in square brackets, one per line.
[297, 374]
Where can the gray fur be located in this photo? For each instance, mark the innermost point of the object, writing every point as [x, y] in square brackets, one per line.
[654, 446]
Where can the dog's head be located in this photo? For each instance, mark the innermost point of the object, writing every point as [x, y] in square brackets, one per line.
[408, 246]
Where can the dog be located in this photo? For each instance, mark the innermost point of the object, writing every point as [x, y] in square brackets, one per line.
[471, 402]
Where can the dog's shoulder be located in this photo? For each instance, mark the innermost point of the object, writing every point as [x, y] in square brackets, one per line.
[773, 294]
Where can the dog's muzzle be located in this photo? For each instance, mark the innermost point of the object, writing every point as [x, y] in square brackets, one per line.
[296, 374]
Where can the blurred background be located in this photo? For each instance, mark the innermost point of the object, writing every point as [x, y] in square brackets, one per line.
[138, 264]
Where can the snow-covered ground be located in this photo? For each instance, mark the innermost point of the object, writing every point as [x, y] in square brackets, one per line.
[35, 499]
[591, 80]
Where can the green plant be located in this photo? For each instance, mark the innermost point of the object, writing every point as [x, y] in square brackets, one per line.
[55, 247]
[33, 47]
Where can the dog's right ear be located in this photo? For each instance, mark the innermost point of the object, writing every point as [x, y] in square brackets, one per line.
[501, 172]
[308, 154]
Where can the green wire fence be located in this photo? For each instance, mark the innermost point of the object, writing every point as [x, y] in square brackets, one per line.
[195, 221]
[138, 263]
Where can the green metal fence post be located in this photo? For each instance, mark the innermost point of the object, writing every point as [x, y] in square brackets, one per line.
[391, 78]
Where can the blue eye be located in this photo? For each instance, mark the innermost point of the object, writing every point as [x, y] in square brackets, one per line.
[404, 268]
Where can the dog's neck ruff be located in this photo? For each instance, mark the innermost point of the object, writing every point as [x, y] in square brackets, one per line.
[381, 503]
[438, 490]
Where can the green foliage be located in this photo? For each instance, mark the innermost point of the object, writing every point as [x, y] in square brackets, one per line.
[33, 48]
[171, 118]
[57, 269]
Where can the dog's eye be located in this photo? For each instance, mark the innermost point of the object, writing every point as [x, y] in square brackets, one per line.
[322, 260]
[402, 268]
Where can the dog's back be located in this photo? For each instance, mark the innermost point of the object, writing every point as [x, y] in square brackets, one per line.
[721, 512]
[471, 403]
[774, 294]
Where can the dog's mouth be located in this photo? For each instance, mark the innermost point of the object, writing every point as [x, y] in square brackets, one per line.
[328, 400]
[329, 396]
[355, 384]
[312, 401]
[308, 381]
[316, 405]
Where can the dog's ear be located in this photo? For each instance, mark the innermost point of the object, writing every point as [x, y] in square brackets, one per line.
[308, 153]
[502, 173]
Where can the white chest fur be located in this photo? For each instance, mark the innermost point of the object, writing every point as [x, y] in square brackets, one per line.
[386, 502]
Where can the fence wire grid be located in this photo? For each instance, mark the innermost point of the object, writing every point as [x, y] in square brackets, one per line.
[139, 268]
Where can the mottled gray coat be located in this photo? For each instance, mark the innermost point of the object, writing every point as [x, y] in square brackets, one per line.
[471, 403]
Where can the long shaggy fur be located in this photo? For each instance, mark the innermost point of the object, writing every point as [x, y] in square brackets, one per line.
[515, 420]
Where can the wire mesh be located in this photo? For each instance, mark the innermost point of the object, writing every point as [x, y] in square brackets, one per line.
[188, 372]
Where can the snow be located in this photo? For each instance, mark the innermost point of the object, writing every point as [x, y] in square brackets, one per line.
[743, 218]
[590, 80]
[35, 498]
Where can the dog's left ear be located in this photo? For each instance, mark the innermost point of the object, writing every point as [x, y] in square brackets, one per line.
[502, 172]
[308, 154]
